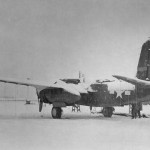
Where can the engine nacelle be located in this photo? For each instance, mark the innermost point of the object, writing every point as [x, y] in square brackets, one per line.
[59, 104]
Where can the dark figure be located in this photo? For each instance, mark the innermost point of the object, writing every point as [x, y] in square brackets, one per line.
[139, 108]
[73, 108]
[78, 108]
[134, 111]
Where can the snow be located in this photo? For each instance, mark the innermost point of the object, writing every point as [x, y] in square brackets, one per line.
[22, 127]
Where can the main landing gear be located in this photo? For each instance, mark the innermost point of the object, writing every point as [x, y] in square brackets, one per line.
[108, 111]
[56, 112]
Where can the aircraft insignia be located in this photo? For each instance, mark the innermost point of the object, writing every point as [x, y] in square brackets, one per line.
[119, 94]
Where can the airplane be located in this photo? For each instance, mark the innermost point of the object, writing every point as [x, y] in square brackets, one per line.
[71, 92]
[100, 93]
[142, 79]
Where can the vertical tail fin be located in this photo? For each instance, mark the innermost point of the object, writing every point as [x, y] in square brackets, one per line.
[143, 69]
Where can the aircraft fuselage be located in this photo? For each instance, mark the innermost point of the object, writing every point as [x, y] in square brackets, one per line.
[101, 95]
[108, 95]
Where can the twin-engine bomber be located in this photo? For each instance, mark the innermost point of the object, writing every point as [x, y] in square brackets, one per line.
[72, 92]
[101, 93]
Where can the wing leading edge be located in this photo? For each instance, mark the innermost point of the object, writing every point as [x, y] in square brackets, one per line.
[41, 85]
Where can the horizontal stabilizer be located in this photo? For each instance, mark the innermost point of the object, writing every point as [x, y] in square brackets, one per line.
[135, 81]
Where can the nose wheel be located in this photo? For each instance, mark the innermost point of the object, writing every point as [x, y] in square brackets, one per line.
[56, 112]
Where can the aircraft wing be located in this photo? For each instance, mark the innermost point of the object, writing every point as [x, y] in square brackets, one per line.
[42, 85]
[135, 81]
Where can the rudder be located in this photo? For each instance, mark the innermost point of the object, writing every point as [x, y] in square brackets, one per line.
[143, 69]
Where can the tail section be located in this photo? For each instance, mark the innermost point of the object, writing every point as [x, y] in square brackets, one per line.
[143, 69]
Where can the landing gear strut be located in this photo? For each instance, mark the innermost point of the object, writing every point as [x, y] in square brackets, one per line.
[56, 112]
[108, 111]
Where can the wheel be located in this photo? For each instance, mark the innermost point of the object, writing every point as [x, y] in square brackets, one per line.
[56, 112]
[107, 111]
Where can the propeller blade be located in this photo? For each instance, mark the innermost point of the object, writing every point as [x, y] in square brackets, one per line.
[39, 101]
[40, 105]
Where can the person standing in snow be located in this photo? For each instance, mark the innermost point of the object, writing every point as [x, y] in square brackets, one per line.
[139, 108]
[134, 111]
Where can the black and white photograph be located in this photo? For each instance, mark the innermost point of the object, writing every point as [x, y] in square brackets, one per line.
[74, 74]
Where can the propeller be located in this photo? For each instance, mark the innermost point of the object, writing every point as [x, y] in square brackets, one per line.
[40, 105]
[40, 101]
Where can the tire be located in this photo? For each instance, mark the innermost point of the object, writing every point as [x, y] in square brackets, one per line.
[107, 111]
[56, 112]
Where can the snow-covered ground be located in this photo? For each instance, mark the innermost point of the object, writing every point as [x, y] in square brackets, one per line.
[22, 127]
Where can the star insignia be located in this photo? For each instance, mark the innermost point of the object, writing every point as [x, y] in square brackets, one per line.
[119, 94]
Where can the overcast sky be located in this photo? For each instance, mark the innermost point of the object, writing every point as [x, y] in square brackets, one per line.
[47, 39]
